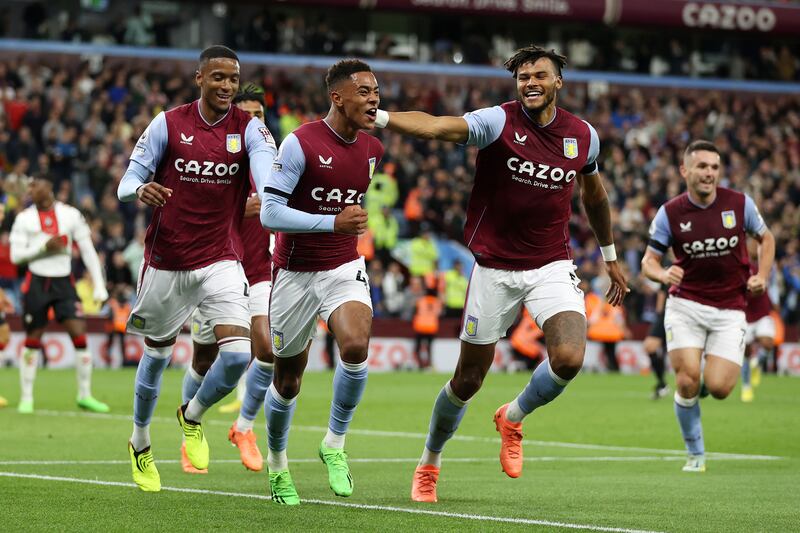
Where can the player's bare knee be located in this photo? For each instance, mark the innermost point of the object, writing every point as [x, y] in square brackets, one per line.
[467, 382]
[688, 385]
[288, 386]
[354, 350]
[566, 360]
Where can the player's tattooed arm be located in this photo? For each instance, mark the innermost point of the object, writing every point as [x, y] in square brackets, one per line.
[595, 201]
[425, 126]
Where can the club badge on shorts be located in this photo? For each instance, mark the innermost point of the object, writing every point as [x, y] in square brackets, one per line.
[471, 327]
[570, 148]
[277, 339]
[234, 143]
[728, 219]
[138, 322]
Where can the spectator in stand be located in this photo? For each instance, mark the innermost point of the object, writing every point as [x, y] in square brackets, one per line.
[455, 290]
[606, 323]
[424, 254]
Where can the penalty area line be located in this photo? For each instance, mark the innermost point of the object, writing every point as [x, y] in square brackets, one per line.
[444, 514]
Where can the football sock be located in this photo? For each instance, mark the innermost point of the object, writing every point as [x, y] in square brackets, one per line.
[257, 380]
[27, 369]
[234, 356]
[145, 394]
[83, 368]
[241, 388]
[688, 413]
[431, 458]
[763, 356]
[448, 410]
[746, 372]
[279, 412]
[543, 388]
[349, 382]
[191, 382]
[658, 366]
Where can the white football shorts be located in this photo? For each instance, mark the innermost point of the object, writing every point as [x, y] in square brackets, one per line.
[167, 298]
[298, 297]
[764, 327]
[494, 298]
[690, 324]
[203, 331]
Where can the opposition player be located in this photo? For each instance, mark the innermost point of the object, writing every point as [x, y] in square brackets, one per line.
[707, 228]
[759, 340]
[531, 154]
[42, 237]
[257, 262]
[312, 198]
[199, 156]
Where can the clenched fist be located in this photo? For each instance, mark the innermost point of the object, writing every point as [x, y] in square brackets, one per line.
[352, 220]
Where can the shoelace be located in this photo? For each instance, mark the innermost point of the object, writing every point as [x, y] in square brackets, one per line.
[426, 482]
[513, 443]
[192, 431]
[337, 460]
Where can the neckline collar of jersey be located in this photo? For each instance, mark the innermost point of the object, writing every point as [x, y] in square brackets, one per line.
[700, 206]
[339, 136]
[555, 114]
[207, 123]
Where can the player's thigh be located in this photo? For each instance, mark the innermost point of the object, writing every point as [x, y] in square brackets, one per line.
[493, 301]
[35, 304]
[351, 323]
[65, 302]
[686, 362]
[551, 290]
[565, 336]
[259, 337]
[726, 338]
[293, 309]
[165, 301]
[685, 325]
[720, 375]
[225, 298]
[474, 362]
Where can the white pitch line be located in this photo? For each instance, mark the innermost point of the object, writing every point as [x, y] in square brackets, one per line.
[445, 514]
[382, 460]
[422, 436]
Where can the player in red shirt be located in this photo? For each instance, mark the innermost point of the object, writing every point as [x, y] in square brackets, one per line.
[531, 154]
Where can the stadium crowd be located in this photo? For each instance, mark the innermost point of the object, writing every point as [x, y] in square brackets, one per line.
[436, 37]
[79, 123]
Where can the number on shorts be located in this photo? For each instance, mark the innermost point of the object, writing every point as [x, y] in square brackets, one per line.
[246, 290]
[362, 279]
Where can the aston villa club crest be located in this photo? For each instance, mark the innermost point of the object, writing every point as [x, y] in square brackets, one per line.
[277, 339]
[471, 327]
[728, 219]
[372, 161]
[570, 148]
[138, 322]
[234, 143]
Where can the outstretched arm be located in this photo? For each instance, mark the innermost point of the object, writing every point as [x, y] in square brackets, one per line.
[595, 202]
[425, 126]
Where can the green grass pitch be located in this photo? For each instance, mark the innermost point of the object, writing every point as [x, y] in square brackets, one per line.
[602, 457]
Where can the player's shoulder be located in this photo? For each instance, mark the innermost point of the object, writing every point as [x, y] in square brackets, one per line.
[572, 122]
[678, 202]
[181, 110]
[726, 193]
[66, 209]
[373, 143]
[24, 216]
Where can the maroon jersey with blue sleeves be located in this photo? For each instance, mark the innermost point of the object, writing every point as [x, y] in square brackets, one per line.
[207, 168]
[519, 210]
[336, 174]
[710, 245]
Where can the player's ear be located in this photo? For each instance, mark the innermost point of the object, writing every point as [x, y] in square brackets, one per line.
[198, 77]
[336, 97]
[683, 171]
[559, 82]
